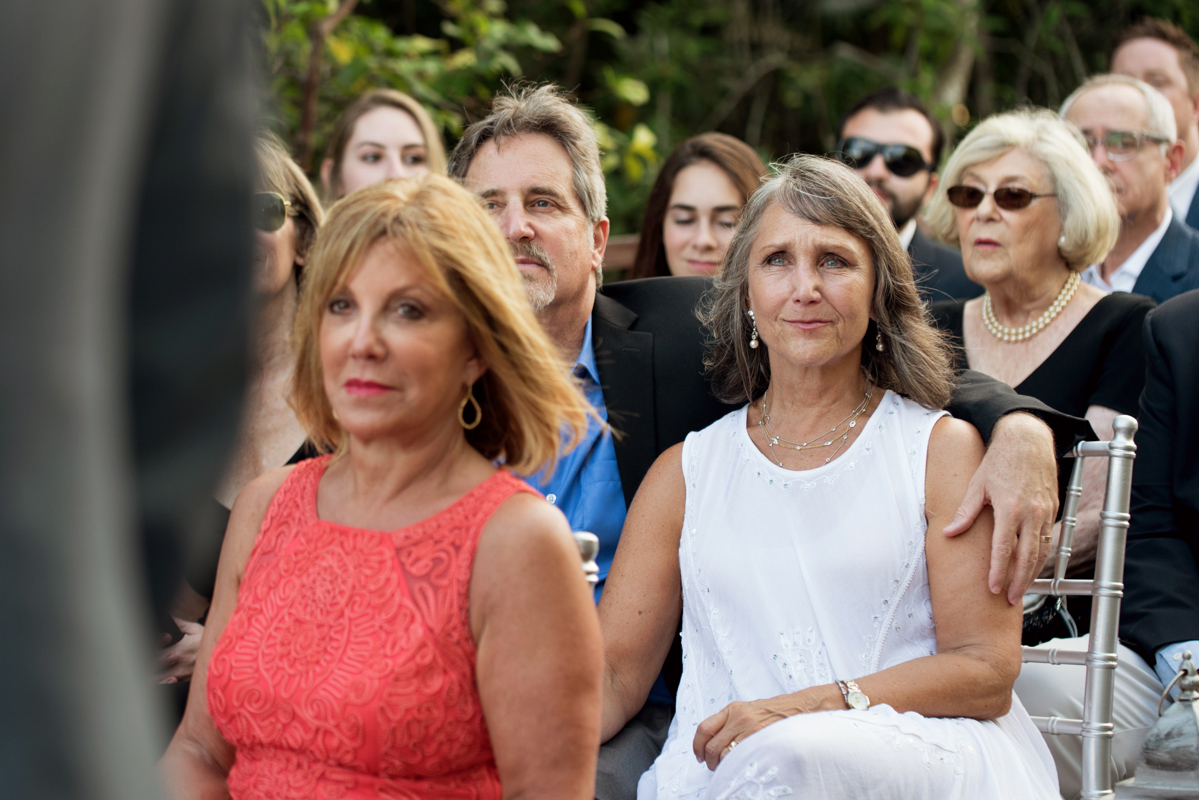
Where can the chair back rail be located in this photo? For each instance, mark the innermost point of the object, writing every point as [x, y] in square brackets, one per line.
[1106, 589]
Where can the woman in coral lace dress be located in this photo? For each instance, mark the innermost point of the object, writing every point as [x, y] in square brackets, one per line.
[402, 619]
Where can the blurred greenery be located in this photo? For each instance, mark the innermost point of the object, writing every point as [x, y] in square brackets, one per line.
[777, 74]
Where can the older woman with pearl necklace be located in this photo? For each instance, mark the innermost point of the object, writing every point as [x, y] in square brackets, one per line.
[1030, 209]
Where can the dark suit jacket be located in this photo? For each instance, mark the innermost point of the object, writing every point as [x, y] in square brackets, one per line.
[939, 271]
[1173, 268]
[1193, 213]
[1161, 567]
[649, 345]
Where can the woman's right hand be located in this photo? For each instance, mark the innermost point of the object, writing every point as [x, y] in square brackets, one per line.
[179, 660]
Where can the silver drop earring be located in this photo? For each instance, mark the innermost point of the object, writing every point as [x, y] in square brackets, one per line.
[753, 337]
[878, 341]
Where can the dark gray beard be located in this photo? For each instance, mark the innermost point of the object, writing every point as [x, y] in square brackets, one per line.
[540, 289]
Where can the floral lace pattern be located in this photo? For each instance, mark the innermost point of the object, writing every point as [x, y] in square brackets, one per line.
[347, 669]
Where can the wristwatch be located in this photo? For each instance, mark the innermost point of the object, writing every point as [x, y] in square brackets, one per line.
[855, 698]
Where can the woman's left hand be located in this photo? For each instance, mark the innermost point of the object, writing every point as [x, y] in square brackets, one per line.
[737, 720]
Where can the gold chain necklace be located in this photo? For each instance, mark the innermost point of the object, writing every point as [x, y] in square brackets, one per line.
[772, 437]
[1006, 334]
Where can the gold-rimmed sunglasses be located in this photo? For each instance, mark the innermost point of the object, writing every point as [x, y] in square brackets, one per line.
[270, 211]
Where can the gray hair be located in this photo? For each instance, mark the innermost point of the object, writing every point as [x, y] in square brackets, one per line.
[546, 110]
[916, 360]
[1161, 113]
[1085, 202]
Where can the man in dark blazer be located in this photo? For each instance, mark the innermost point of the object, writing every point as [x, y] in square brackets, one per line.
[892, 141]
[1156, 254]
[637, 349]
[1173, 268]
[1159, 616]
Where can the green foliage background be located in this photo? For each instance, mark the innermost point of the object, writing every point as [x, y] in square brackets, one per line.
[776, 73]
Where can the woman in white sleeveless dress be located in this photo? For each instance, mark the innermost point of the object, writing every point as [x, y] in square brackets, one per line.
[835, 643]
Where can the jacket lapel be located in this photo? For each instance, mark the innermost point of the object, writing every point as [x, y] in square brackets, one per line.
[1193, 212]
[1167, 263]
[625, 361]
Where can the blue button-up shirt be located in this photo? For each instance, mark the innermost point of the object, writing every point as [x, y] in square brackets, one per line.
[586, 484]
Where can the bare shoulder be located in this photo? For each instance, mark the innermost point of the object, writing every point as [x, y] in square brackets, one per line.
[955, 449]
[525, 536]
[954, 443]
[665, 477]
[522, 522]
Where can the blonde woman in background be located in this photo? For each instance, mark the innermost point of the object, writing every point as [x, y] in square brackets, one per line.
[402, 618]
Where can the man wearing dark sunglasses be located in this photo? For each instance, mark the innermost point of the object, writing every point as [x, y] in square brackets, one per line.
[891, 140]
[1129, 128]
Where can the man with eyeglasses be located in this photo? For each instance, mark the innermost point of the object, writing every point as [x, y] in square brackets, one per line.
[892, 141]
[1129, 128]
[1162, 55]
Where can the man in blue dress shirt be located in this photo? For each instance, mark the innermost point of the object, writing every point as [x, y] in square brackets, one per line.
[637, 348]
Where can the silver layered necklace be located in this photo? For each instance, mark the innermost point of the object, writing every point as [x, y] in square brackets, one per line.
[772, 437]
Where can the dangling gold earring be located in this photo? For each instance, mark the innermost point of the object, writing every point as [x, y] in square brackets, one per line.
[878, 341]
[753, 337]
[470, 398]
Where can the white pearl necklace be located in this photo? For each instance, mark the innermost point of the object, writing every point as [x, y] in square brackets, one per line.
[1006, 334]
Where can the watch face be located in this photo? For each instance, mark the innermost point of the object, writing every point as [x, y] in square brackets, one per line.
[858, 700]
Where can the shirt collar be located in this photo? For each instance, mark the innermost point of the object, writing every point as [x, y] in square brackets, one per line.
[1125, 276]
[586, 359]
[909, 230]
[1182, 189]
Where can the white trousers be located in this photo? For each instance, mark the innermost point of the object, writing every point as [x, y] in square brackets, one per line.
[1048, 690]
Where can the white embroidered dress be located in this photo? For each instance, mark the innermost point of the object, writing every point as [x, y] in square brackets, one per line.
[793, 579]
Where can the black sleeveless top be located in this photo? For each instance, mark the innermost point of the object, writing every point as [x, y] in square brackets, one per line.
[1100, 363]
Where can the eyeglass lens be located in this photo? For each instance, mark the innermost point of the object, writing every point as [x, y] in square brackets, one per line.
[1119, 145]
[1009, 198]
[270, 211]
[901, 159]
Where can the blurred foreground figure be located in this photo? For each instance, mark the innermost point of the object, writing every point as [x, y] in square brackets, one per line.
[126, 175]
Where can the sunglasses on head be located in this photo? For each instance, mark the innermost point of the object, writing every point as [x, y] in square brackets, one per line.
[1009, 198]
[901, 159]
[269, 210]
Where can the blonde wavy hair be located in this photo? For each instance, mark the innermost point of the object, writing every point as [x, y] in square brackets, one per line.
[531, 408]
[915, 361]
[1085, 202]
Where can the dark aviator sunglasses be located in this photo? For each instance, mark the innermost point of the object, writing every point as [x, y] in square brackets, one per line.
[1009, 198]
[269, 211]
[902, 160]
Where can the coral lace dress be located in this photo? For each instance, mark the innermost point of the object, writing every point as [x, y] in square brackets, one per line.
[348, 667]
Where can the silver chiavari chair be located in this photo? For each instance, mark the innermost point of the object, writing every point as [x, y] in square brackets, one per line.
[588, 549]
[1105, 590]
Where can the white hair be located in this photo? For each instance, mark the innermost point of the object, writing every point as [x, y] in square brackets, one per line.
[1161, 114]
[1085, 202]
